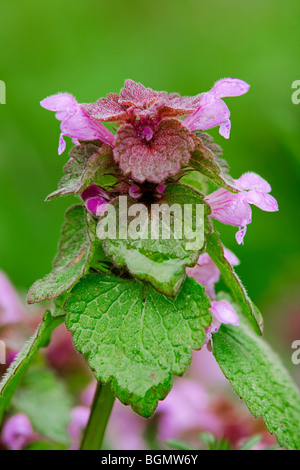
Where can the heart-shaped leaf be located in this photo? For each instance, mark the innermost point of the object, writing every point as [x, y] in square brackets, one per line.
[135, 337]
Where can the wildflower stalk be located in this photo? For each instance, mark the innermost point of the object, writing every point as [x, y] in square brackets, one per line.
[100, 413]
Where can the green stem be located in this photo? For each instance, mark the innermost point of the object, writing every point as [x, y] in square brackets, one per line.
[100, 413]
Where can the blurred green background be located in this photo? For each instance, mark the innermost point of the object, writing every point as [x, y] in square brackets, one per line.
[89, 48]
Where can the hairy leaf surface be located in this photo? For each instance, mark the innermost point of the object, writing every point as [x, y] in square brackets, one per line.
[135, 337]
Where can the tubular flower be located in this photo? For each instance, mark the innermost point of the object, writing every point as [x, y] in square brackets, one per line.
[95, 199]
[212, 111]
[17, 432]
[222, 312]
[151, 143]
[234, 209]
[206, 272]
[75, 122]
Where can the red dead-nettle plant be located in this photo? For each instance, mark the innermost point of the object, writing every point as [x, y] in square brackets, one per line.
[138, 307]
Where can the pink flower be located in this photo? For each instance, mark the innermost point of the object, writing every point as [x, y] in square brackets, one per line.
[125, 430]
[79, 419]
[11, 309]
[222, 312]
[75, 122]
[135, 192]
[187, 408]
[234, 209]
[204, 111]
[150, 144]
[205, 369]
[212, 111]
[17, 432]
[147, 147]
[95, 199]
[206, 272]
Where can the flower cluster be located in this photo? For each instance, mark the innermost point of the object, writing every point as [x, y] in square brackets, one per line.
[206, 273]
[127, 299]
[152, 143]
[155, 139]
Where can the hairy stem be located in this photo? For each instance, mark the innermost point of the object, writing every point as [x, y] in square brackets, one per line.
[100, 413]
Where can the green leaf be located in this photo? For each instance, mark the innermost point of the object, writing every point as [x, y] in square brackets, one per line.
[216, 252]
[74, 168]
[160, 261]
[45, 445]
[135, 337]
[71, 262]
[208, 439]
[99, 166]
[259, 378]
[45, 401]
[176, 444]
[12, 378]
[211, 442]
[195, 180]
[88, 164]
[206, 159]
[251, 442]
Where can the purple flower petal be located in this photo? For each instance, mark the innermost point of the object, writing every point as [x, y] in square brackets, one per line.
[61, 144]
[225, 129]
[186, 408]
[147, 133]
[229, 87]
[224, 313]
[231, 257]
[251, 180]
[234, 209]
[75, 122]
[210, 113]
[17, 432]
[80, 126]
[229, 208]
[96, 206]
[160, 189]
[135, 192]
[206, 273]
[239, 236]
[93, 191]
[11, 308]
[265, 202]
[61, 103]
